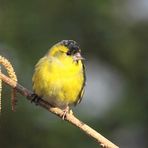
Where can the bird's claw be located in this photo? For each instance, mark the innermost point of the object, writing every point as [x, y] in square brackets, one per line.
[65, 111]
[35, 98]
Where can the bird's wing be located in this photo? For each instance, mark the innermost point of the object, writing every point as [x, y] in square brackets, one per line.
[80, 95]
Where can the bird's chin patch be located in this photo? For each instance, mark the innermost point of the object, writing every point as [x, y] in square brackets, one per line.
[76, 61]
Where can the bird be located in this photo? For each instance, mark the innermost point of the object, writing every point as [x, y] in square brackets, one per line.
[59, 77]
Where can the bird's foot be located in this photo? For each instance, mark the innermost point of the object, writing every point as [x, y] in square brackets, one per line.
[35, 98]
[65, 111]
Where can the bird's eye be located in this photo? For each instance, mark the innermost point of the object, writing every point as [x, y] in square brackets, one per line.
[68, 53]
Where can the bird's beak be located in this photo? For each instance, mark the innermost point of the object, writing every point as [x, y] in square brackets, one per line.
[77, 56]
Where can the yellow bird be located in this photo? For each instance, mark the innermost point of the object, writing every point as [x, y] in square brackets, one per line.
[59, 76]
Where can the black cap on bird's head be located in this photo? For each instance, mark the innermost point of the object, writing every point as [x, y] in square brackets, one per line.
[74, 49]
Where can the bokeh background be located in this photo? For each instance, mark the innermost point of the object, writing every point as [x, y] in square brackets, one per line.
[113, 36]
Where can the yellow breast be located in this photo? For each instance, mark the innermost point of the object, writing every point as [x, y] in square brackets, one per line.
[58, 81]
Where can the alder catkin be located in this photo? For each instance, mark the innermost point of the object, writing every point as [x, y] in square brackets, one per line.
[7, 65]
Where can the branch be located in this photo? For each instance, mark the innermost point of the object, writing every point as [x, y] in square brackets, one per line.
[69, 117]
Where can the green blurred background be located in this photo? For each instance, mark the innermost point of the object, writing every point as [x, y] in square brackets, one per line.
[113, 36]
